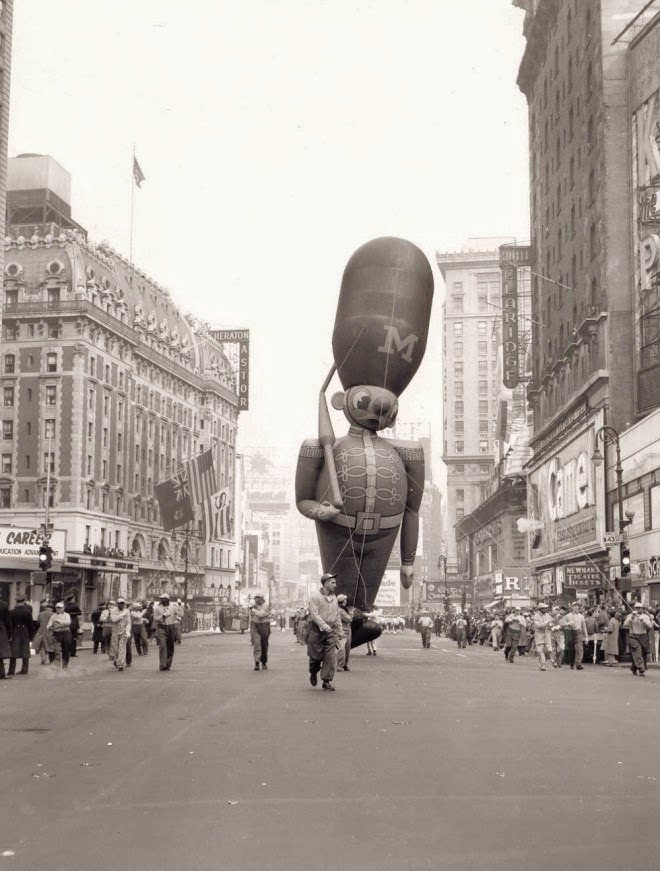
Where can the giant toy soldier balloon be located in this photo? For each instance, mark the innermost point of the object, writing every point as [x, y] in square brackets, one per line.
[360, 489]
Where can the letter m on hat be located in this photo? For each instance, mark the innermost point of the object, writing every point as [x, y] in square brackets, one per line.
[393, 338]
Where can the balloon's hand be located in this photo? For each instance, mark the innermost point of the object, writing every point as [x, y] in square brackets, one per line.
[407, 575]
[325, 511]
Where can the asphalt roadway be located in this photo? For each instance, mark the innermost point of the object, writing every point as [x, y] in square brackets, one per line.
[422, 759]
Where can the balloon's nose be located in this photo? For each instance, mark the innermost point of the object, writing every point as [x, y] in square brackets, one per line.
[382, 406]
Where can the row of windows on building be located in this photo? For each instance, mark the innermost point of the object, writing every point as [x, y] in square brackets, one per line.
[221, 430]
[484, 329]
[459, 469]
[50, 395]
[482, 369]
[482, 348]
[12, 332]
[485, 427]
[459, 446]
[482, 387]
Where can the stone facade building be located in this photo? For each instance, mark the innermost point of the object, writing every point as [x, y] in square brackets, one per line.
[574, 76]
[107, 387]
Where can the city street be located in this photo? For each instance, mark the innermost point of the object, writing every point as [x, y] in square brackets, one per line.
[433, 758]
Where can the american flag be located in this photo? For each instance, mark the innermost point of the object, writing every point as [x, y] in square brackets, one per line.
[138, 175]
[201, 474]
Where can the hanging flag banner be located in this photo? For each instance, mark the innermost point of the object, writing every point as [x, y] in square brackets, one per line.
[201, 474]
[240, 338]
[174, 501]
[217, 521]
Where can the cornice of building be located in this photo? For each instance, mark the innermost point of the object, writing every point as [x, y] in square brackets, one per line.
[179, 352]
[538, 23]
[507, 498]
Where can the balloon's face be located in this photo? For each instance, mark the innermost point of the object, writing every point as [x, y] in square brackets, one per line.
[372, 408]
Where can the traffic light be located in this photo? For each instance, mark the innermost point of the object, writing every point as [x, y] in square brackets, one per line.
[625, 561]
[45, 557]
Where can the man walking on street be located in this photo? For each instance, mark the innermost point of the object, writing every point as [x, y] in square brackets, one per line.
[324, 632]
[260, 631]
[346, 615]
[425, 625]
[462, 627]
[557, 640]
[165, 620]
[60, 627]
[638, 624]
[72, 609]
[121, 630]
[513, 624]
[577, 634]
[543, 634]
[22, 632]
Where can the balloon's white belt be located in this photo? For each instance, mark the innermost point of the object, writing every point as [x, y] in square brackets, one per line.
[368, 522]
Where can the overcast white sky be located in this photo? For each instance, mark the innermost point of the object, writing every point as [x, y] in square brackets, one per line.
[276, 138]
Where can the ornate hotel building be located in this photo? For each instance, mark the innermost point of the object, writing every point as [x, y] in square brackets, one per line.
[107, 387]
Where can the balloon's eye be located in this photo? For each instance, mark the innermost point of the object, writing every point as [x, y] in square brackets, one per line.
[361, 400]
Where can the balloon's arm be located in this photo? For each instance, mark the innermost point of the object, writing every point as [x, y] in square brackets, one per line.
[327, 441]
[412, 455]
[310, 465]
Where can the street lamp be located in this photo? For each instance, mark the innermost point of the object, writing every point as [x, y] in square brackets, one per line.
[609, 436]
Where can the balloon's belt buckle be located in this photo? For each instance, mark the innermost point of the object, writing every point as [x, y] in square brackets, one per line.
[367, 522]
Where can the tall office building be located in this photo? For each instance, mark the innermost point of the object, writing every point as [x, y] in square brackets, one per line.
[574, 75]
[471, 339]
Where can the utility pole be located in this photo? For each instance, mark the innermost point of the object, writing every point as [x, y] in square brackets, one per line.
[46, 526]
[185, 567]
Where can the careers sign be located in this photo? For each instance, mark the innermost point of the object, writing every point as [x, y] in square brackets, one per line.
[19, 547]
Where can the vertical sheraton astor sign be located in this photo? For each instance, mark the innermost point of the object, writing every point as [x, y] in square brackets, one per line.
[240, 338]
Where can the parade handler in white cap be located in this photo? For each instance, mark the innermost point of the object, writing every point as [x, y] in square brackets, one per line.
[260, 631]
[638, 624]
[543, 634]
[120, 618]
[325, 633]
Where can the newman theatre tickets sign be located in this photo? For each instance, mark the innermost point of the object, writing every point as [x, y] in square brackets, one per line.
[19, 547]
[240, 338]
[564, 489]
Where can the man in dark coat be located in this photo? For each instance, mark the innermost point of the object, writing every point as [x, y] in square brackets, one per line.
[72, 609]
[22, 633]
[5, 635]
[97, 631]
